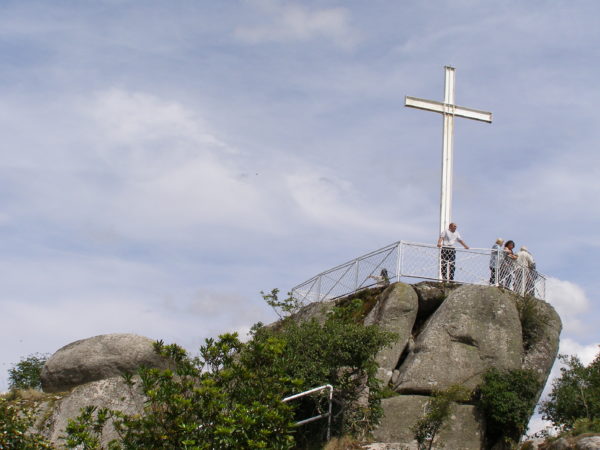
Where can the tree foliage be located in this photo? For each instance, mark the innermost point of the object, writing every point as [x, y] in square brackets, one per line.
[507, 400]
[26, 373]
[16, 420]
[575, 394]
[230, 396]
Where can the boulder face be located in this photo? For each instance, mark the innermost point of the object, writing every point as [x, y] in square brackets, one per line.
[475, 328]
[395, 311]
[97, 358]
[464, 430]
[112, 393]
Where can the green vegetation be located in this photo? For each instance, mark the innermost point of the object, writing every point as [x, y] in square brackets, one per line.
[575, 395]
[17, 415]
[531, 324]
[507, 399]
[26, 373]
[230, 396]
[437, 413]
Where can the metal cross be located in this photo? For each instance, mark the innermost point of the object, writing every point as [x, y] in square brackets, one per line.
[449, 110]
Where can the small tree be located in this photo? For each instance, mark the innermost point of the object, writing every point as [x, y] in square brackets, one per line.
[575, 394]
[436, 416]
[26, 373]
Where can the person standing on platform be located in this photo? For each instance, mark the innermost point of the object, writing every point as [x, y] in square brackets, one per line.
[495, 260]
[447, 242]
[524, 279]
[507, 266]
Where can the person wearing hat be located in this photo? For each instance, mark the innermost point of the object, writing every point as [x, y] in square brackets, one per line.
[495, 260]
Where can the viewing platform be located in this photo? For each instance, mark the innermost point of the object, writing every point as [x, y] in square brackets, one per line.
[411, 262]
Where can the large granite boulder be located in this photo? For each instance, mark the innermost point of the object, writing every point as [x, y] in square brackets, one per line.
[477, 327]
[395, 311]
[464, 430]
[112, 393]
[97, 358]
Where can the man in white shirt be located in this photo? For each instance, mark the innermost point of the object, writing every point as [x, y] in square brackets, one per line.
[446, 242]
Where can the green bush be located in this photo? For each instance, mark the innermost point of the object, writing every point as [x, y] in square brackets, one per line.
[507, 399]
[26, 373]
[16, 419]
[575, 394]
[230, 396]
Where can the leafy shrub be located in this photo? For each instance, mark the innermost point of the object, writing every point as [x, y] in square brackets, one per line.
[230, 397]
[575, 394]
[26, 373]
[16, 419]
[437, 412]
[507, 399]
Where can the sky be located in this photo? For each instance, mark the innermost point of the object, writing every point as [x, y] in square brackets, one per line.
[164, 162]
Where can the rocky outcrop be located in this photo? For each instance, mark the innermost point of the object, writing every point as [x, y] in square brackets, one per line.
[581, 442]
[450, 334]
[89, 373]
[464, 430]
[395, 311]
[98, 358]
[112, 393]
[445, 335]
[476, 328]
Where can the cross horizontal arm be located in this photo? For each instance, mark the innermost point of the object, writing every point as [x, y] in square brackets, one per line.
[444, 108]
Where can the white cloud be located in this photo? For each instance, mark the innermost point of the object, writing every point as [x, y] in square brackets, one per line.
[585, 352]
[295, 22]
[570, 302]
[333, 202]
[169, 172]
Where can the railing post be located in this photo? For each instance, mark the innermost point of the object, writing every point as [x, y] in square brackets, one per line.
[498, 266]
[399, 261]
[329, 412]
[319, 288]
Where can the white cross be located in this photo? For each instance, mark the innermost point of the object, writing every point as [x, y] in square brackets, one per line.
[449, 110]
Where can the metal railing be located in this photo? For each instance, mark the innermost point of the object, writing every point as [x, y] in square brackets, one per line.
[404, 261]
[320, 416]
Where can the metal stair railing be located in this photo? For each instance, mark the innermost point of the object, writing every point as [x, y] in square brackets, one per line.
[320, 416]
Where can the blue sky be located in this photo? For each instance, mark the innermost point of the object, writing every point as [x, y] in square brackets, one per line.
[163, 162]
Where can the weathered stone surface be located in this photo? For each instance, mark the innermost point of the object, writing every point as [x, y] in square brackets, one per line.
[391, 446]
[317, 311]
[476, 327]
[588, 443]
[560, 444]
[542, 352]
[98, 358]
[110, 393]
[463, 431]
[431, 295]
[395, 311]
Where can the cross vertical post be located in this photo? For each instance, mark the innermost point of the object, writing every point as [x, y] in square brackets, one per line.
[448, 109]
